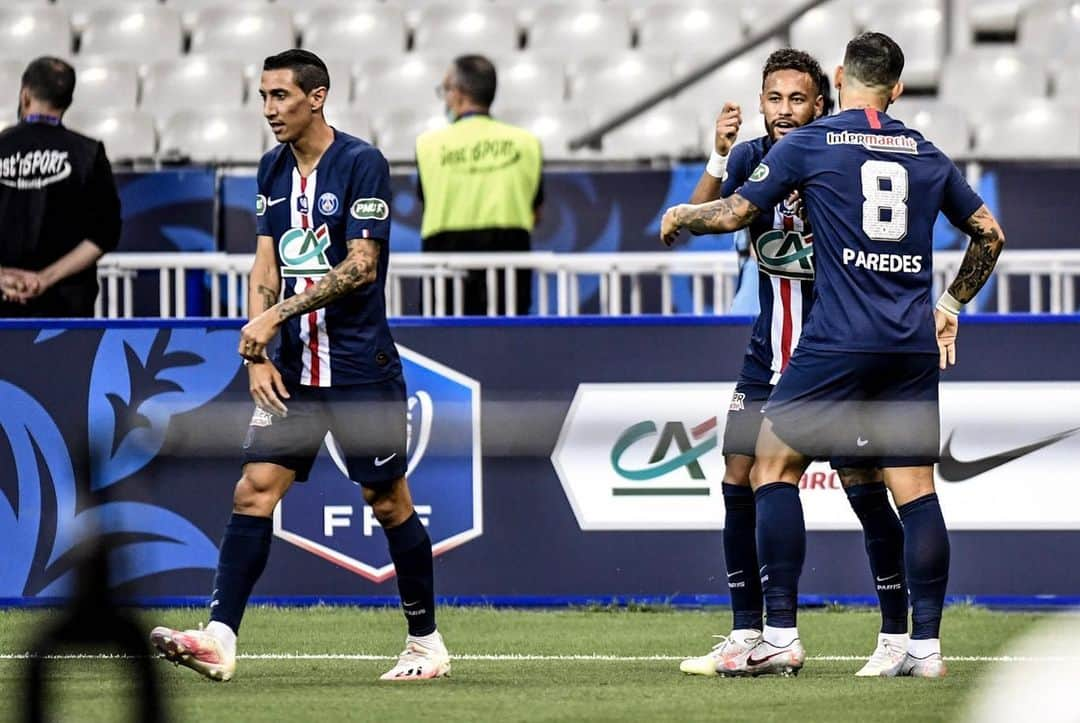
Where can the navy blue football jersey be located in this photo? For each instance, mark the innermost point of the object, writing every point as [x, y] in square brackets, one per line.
[311, 220]
[873, 189]
[783, 244]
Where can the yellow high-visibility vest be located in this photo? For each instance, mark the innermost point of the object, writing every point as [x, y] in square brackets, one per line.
[478, 173]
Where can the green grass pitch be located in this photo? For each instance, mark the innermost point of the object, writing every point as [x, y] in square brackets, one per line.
[638, 681]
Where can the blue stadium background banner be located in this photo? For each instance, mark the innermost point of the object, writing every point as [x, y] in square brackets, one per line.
[135, 429]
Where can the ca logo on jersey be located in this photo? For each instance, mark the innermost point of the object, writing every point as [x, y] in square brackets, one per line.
[303, 251]
[786, 253]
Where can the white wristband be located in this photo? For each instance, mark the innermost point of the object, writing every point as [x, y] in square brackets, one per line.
[949, 304]
[717, 165]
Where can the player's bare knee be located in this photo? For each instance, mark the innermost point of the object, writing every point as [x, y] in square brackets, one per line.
[855, 476]
[737, 469]
[389, 509]
[248, 499]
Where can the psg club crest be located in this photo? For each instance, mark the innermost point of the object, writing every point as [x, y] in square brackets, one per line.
[327, 516]
[328, 204]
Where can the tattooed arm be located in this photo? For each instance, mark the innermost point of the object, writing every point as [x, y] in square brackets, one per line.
[264, 283]
[358, 268]
[987, 241]
[726, 214]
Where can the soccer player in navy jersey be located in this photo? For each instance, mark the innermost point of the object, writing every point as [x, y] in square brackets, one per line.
[794, 92]
[323, 224]
[864, 378]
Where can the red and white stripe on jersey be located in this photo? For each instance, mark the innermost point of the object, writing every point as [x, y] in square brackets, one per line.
[787, 311]
[315, 355]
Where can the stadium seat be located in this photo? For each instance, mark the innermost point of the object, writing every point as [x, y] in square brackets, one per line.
[668, 131]
[139, 34]
[305, 11]
[105, 85]
[824, 32]
[356, 32]
[919, 28]
[944, 125]
[10, 83]
[451, 30]
[79, 11]
[1049, 28]
[128, 135]
[527, 79]
[214, 136]
[170, 85]
[351, 122]
[994, 16]
[396, 132]
[738, 81]
[580, 31]
[617, 80]
[663, 26]
[554, 126]
[27, 32]
[969, 79]
[759, 14]
[1067, 82]
[1035, 130]
[247, 33]
[387, 85]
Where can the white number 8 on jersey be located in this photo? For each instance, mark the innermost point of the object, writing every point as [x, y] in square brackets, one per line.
[876, 198]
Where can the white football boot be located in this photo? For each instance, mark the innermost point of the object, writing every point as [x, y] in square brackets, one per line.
[766, 659]
[423, 659]
[888, 656]
[198, 649]
[729, 647]
[932, 666]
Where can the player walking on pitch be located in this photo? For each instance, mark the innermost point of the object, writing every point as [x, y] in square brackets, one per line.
[323, 222]
[794, 93]
[864, 378]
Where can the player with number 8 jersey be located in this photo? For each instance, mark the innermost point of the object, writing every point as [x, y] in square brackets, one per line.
[864, 378]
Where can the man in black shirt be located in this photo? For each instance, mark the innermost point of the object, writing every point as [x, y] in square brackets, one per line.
[59, 209]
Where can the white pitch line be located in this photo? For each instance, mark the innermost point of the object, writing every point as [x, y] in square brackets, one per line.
[548, 658]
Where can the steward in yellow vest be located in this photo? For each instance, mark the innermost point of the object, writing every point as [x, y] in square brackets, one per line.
[480, 182]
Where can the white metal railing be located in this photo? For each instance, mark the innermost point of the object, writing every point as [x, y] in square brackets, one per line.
[1057, 271]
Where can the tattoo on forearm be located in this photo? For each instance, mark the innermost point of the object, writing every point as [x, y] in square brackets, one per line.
[269, 295]
[987, 241]
[359, 268]
[726, 214]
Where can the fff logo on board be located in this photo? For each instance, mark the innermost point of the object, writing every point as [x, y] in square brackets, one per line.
[327, 517]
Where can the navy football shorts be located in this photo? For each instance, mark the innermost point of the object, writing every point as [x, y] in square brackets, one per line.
[859, 409]
[744, 415]
[367, 421]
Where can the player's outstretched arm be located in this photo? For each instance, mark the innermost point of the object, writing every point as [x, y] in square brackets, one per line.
[726, 214]
[987, 241]
[712, 178]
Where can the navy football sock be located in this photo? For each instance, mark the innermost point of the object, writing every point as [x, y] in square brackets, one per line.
[740, 556]
[884, 536]
[781, 543]
[410, 549]
[244, 551]
[926, 555]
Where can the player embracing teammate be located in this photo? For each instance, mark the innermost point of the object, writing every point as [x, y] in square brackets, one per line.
[863, 381]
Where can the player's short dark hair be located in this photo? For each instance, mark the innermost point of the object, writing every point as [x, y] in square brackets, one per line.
[475, 78]
[309, 71]
[50, 80]
[825, 91]
[874, 59]
[792, 59]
